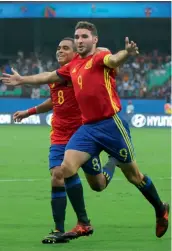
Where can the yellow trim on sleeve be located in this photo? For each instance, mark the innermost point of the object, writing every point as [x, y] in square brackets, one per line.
[106, 60]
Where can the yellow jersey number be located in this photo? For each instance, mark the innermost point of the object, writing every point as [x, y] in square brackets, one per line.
[60, 97]
[123, 153]
[80, 81]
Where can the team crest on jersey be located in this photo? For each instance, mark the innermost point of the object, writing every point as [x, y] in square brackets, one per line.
[52, 85]
[89, 64]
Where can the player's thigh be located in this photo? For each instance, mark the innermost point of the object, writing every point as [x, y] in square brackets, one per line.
[79, 149]
[132, 172]
[73, 159]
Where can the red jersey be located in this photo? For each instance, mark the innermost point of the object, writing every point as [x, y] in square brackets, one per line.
[94, 86]
[66, 117]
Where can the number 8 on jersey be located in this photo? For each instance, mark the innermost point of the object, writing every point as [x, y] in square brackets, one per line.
[60, 97]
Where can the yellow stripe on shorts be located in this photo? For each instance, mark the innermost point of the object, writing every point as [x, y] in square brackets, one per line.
[124, 134]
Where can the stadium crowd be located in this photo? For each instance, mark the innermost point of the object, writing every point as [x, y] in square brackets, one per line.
[132, 81]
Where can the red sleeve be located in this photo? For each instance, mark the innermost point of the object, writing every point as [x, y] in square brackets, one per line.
[100, 57]
[64, 72]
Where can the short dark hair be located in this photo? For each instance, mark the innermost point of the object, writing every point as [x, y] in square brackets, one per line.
[70, 39]
[88, 26]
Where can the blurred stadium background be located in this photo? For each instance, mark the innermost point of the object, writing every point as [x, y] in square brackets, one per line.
[30, 33]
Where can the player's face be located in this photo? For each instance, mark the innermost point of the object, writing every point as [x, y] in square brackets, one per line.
[65, 52]
[85, 42]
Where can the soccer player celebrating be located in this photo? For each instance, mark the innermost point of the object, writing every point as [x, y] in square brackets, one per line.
[92, 75]
[65, 121]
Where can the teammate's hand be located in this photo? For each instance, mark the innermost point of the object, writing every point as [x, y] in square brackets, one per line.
[131, 47]
[9, 79]
[18, 116]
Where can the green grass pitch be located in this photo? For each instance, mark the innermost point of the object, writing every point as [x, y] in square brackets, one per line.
[122, 218]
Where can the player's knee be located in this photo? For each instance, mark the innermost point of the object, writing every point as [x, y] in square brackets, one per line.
[97, 187]
[57, 177]
[69, 169]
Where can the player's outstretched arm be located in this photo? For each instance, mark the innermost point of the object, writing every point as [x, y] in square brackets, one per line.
[45, 106]
[42, 108]
[38, 79]
[116, 60]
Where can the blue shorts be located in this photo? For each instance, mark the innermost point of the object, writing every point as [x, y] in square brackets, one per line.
[56, 155]
[111, 135]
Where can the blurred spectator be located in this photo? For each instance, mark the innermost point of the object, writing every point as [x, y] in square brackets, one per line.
[35, 93]
[130, 108]
[168, 108]
[3, 88]
[168, 105]
[132, 81]
[125, 86]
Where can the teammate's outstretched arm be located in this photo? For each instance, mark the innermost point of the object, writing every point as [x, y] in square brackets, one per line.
[38, 79]
[42, 108]
[116, 60]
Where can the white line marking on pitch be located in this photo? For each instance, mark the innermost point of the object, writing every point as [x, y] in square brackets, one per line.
[35, 180]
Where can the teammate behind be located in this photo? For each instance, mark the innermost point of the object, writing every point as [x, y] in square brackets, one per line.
[65, 121]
